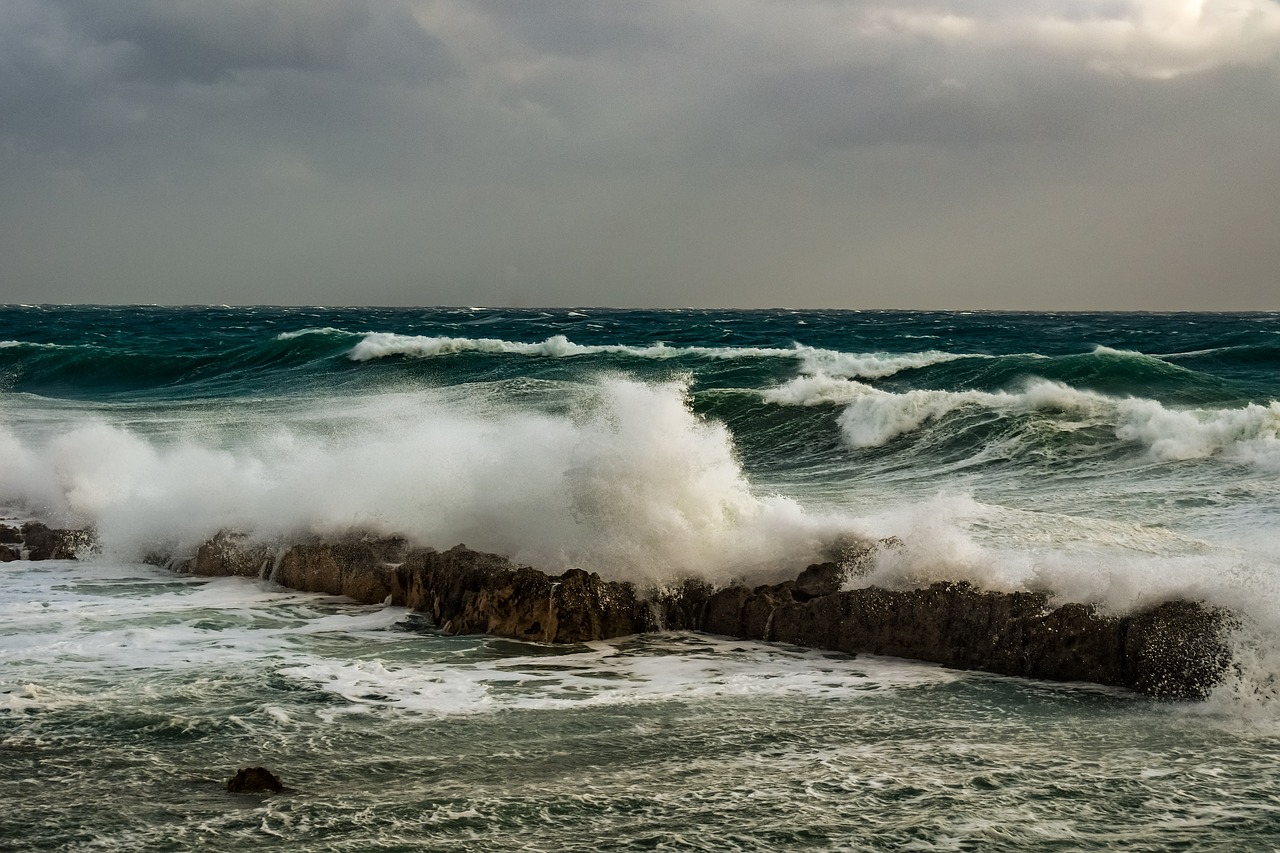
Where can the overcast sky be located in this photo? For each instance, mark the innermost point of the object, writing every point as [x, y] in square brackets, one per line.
[1004, 154]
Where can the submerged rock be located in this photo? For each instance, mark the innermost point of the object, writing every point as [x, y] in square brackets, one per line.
[254, 780]
[1177, 650]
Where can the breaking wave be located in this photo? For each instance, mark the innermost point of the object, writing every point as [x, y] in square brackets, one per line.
[873, 417]
[631, 482]
[376, 345]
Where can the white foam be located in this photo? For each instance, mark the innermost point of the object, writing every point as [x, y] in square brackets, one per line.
[876, 365]
[873, 417]
[630, 482]
[326, 330]
[375, 345]
[1247, 435]
[610, 673]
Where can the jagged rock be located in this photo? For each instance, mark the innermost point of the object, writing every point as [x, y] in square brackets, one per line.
[358, 567]
[1177, 650]
[40, 542]
[9, 554]
[254, 780]
[230, 553]
[680, 608]
[818, 580]
[470, 592]
[10, 535]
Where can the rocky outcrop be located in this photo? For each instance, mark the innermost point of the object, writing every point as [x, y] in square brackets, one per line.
[254, 780]
[36, 541]
[1176, 650]
[470, 592]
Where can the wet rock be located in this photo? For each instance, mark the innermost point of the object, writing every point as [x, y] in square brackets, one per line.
[818, 580]
[358, 567]
[254, 780]
[37, 541]
[471, 592]
[1176, 650]
[680, 607]
[229, 554]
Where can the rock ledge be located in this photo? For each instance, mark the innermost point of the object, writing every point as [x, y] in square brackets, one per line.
[1175, 650]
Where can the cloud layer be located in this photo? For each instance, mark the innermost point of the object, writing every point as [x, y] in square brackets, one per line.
[1053, 154]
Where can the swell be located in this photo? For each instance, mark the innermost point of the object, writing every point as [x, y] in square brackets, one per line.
[91, 371]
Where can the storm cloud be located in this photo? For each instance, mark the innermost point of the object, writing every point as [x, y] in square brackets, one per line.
[955, 154]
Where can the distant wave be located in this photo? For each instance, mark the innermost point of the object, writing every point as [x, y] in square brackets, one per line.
[376, 345]
[33, 345]
[327, 330]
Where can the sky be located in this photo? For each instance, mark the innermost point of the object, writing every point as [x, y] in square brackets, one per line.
[949, 154]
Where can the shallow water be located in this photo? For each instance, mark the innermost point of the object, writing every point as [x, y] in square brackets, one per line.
[133, 694]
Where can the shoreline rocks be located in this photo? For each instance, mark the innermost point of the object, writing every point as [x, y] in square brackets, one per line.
[33, 540]
[1174, 650]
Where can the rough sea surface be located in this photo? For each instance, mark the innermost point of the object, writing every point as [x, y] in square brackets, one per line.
[1116, 459]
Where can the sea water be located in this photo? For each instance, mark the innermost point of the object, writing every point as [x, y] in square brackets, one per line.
[1111, 459]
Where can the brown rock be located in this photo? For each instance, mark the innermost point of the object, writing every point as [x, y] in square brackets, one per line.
[1176, 650]
[471, 592]
[231, 554]
[358, 567]
[46, 543]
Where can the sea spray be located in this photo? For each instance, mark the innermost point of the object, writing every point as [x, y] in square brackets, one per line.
[630, 483]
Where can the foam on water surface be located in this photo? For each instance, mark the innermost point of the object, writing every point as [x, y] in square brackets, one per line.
[1047, 452]
[389, 736]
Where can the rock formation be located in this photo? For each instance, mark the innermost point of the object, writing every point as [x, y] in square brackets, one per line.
[1176, 650]
[254, 780]
[36, 541]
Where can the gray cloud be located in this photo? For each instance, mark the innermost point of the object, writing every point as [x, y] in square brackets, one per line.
[1059, 153]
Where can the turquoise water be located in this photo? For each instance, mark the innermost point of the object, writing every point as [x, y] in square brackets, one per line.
[1107, 458]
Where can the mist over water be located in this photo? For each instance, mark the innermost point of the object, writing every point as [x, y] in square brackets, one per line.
[1109, 459]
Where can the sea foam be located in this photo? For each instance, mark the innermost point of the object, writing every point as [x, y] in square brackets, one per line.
[377, 345]
[630, 482]
[873, 417]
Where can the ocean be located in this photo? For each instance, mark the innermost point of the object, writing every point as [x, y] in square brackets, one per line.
[1113, 459]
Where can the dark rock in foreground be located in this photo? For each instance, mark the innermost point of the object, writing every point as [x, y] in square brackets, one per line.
[1176, 650]
[254, 780]
[36, 541]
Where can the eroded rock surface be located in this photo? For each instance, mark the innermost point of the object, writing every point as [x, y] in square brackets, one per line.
[36, 541]
[1176, 650]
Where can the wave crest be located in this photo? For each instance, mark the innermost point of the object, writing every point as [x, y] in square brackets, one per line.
[376, 345]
